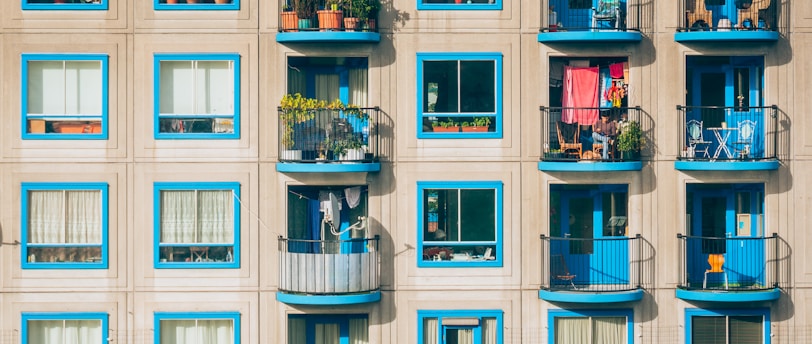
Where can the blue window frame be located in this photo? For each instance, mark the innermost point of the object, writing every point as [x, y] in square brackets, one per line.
[198, 327]
[332, 328]
[459, 95]
[197, 96]
[591, 326]
[194, 5]
[459, 326]
[727, 325]
[459, 5]
[64, 328]
[71, 5]
[64, 225]
[197, 225]
[459, 224]
[64, 96]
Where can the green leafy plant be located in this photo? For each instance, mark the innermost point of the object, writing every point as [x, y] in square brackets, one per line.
[341, 146]
[305, 9]
[631, 138]
[450, 122]
[481, 121]
[364, 9]
[296, 109]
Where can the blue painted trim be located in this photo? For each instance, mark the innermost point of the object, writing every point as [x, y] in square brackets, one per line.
[726, 36]
[233, 316]
[497, 186]
[235, 117]
[729, 296]
[234, 6]
[590, 36]
[764, 165]
[328, 37]
[101, 317]
[328, 168]
[591, 297]
[555, 313]
[557, 166]
[25, 188]
[102, 6]
[194, 186]
[697, 312]
[461, 56]
[103, 116]
[326, 300]
[495, 6]
[459, 313]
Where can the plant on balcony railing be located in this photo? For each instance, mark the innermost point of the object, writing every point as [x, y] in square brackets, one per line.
[630, 140]
[296, 109]
[305, 10]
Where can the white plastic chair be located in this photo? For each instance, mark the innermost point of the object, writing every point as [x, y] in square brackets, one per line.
[696, 139]
[607, 11]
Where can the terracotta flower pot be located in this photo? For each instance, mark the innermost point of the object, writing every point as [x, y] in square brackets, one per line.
[330, 20]
[351, 24]
[222, 1]
[290, 21]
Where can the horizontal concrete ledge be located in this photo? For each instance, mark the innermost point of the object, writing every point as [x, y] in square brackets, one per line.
[328, 167]
[590, 36]
[729, 296]
[764, 165]
[328, 37]
[726, 36]
[327, 300]
[592, 166]
[591, 297]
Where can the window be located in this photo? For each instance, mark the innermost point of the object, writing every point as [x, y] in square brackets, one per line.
[64, 328]
[459, 95]
[64, 226]
[197, 328]
[197, 225]
[334, 328]
[460, 223]
[459, 326]
[187, 5]
[72, 5]
[461, 5]
[197, 96]
[580, 327]
[750, 326]
[64, 96]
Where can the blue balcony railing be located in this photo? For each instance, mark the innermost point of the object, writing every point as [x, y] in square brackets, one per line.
[728, 15]
[329, 136]
[733, 263]
[565, 141]
[716, 133]
[592, 15]
[612, 264]
[328, 267]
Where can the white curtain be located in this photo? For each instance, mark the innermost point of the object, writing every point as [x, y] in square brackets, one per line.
[209, 331]
[359, 331]
[489, 331]
[189, 216]
[327, 87]
[64, 331]
[609, 330]
[65, 88]
[196, 87]
[358, 87]
[430, 330]
[465, 336]
[571, 330]
[297, 333]
[327, 334]
[297, 81]
[60, 217]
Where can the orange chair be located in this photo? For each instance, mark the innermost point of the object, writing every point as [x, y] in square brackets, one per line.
[560, 271]
[699, 13]
[715, 261]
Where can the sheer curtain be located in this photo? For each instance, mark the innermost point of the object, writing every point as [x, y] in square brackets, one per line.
[327, 334]
[177, 216]
[297, 82]
[209, 331]
[65, 88]
[610, 330]
[358, 87]
[297, 333]
[197, 87]
[61, 217]
[571, 330]
[327, 87]
[430, 330]
[215, 216]
[359, 331]
[489, 331]
[197, 216]
[64, 332]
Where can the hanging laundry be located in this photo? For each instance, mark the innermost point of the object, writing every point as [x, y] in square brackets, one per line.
[580, 95]
[605, 84]
[616, 70]
[615, 94]
[353, 196]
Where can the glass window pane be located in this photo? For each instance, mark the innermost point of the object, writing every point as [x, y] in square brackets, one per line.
[441, 78]
[215, 216]
[83, 88]
[220, 331]
[45, 331]
[478, 217]
[214, 87]
[708, 330]
[477, 86]
[46, 87]
[297, 331]
[46, 217]
[430, 330]
[178, 216]
[177, 87]
[327, 334]
[571, 330]
[609, 330]
[746, 329]
[178, 331]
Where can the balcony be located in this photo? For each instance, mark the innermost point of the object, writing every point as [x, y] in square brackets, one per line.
[574, 21]
[595, 270]
[731, 21]
[570, 146]
[324, 23]
[329, 140]
[328, 272]
[732, 269]
[732, 138]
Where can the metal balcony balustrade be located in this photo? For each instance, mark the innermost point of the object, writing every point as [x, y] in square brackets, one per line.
[593, 15]
[569, 142]
[728, 15]
[610, 264]
[328, 267]
[746, 263]
[329, 136]
[323, 17]
[729, 133]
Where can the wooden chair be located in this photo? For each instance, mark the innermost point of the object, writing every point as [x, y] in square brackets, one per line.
[568, 139]
[559, 270]
[752, 13]
[699, 14]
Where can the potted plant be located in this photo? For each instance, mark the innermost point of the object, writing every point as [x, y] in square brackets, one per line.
[305, 10]
[630, 141]
[290, 21]
[478, 125]
[366, 11]
[447, 126]
[349, 148]
[331, 16]
[295, 109]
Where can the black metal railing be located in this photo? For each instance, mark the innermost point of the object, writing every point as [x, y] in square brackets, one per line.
[564, 139]
[328, 135]
[594, 15]
[733, 263]
[732, 133]
[596, 265]
[728, 15]
[321, 15]
[328, 267]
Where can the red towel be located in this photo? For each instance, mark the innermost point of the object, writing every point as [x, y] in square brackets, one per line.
[580, 91]
[616, 70]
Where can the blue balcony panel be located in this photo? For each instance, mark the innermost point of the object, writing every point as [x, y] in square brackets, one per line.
[327, 300]
[608, 36]
[591, 297]
[589, 166]
[726, 36]
[328, 167]
[760, 165]
[729, 296]
[328, 37]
